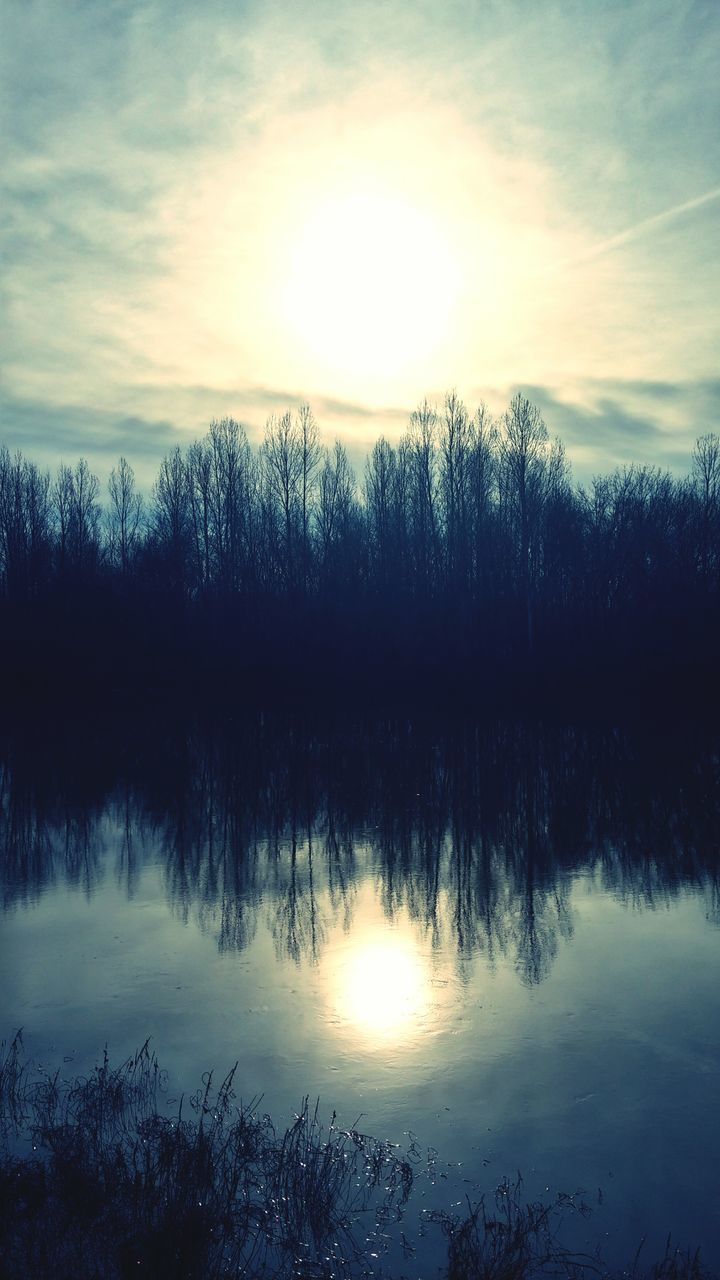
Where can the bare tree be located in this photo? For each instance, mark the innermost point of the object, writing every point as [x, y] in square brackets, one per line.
[24, 525]
[379, 498]
[532, 468]
[456, 441]
[706, 481]
[171, 519]
[198, 466]
[74, 497]
[124, 516]
[483, 480]
[86, 516]
[291, 455]
[283, 469]
[422, 442]
[229, 454]
[61, 496]
[311, 453]
[336, 497]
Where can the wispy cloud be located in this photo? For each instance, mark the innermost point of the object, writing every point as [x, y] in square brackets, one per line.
[151, 153]
[643, 228]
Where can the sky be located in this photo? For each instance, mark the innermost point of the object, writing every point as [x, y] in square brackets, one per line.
[233, 208]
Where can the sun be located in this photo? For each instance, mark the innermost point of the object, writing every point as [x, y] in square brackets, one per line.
[372, 285]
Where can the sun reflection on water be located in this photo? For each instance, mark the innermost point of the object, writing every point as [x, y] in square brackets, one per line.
[382, 988]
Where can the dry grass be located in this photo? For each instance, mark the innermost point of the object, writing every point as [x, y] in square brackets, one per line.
[121, 1189]
[98, 1183]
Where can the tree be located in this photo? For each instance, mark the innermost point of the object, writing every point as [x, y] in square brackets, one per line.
[422, 439]
[311, 456]
[292, 454]
[199, 478]
[171, 519]
[456, 441]
[706, 482]
[379, 498]
[124, 516]
[283, 471]
[78, 516]
[25, 532]
[336, 499]
[482, 491]
[532, 469]
[229, 454]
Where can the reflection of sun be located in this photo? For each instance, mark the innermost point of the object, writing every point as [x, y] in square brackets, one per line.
[382, 987]
[373, 283]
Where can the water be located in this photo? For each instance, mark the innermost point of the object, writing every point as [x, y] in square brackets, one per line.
[499, 944]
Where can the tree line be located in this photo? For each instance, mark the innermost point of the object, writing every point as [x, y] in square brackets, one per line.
[465, 546]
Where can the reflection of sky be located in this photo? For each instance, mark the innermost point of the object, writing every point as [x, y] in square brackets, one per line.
[603, 1075]
[222, 209]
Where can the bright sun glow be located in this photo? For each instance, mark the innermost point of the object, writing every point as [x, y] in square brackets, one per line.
[383, 987]
[373, 283]
[367, 256]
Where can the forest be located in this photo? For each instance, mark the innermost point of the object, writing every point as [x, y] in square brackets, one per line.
[465, 562]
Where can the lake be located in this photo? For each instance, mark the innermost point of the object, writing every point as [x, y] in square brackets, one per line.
[497, 944]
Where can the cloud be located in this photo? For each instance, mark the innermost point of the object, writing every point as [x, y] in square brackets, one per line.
[134, 134]
[145, 427]
[48, 434]
[603, 424]
[606, 423]
[643, 228]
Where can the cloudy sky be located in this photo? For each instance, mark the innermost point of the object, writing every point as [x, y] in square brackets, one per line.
[230, 208]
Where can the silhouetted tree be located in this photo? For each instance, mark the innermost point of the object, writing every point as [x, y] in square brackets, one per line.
[334, 516]
[124, 517]
[25, 526]
[311, 456]
[171, 519]
[482, 492]
[379, 502]
[706, 482]
[456, 457]
[467, 551]
[78, 516]
[230, 495]
[424, 514]
[284, 471]
[532, 470]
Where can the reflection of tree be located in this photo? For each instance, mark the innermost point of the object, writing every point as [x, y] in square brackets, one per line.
[476, 833]
[543, 917]
[238, 908]
[543, 907]
[295, 920]
[340, 865]
[40, 845]
[26, 856]
[128, 868]
[82, 850]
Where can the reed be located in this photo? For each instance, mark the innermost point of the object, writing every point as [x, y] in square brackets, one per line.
[98, 1180]
[121, 1189]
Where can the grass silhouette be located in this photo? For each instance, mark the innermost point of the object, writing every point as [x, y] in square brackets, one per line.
[96, 1181]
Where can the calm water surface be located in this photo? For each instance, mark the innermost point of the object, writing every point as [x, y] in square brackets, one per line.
[500, 945]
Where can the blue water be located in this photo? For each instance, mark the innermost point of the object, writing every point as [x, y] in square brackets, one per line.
[566, 1025]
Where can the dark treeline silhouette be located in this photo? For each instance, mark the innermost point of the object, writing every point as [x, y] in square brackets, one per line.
[464, 559]
[476, 832]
